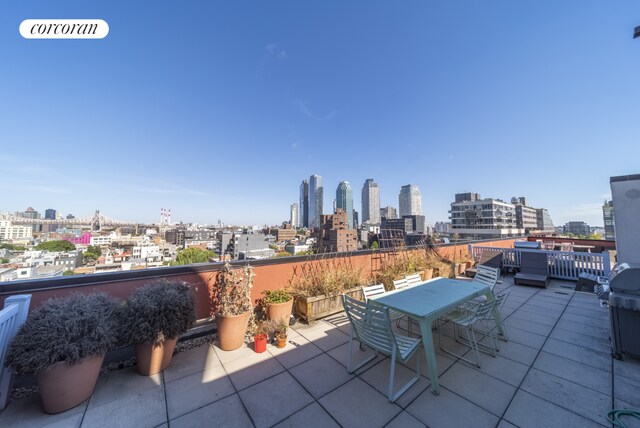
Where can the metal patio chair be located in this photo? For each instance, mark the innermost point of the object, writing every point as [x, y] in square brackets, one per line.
[371, 325]
[413, 279]
[466, 319]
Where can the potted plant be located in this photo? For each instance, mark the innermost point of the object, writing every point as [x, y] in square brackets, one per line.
[281, 334]
[232, 298]
[153, 318]
[63, 343]
[277, 304]
[318, 285]
[263, 331]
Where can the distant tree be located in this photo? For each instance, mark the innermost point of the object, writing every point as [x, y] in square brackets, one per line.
[304, 253]
[56, 246]
[193, 255]
[93, 252]
[12, 247]
[594, 236]
[4, 260]
[68, 273]
[375, 245]
[283, 254]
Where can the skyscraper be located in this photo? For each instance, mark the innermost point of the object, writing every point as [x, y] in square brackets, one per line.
[294, 215]
[410, 200]
[303, 209]
[344, 201]
[50, 214]
[370, 202]
[609, 222]
[316, 200]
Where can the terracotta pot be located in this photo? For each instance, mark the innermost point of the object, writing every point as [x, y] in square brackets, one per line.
[461, 268]
[260, 342]
[280, 311]
[281, 341]
[231, 330]
[153, 359]
[63, 387]
[427, 274]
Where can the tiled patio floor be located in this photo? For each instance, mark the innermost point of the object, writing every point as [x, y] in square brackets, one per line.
[555, 371]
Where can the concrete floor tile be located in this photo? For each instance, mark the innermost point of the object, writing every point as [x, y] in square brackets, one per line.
[590, 357]
[590, 377]
[504, 424]
[528, 325]
[341, 354]
[191, 361]
[629, 421]
[589, 330]
[357, 404]
[473, 385]
[528, 411]
[405, 420]
[501, 368]
[252, 369]
[324, 335]
[333, 375]
[112, 385]
[274, 400]
[298, 350]
[576, 398]
[196, 390]
[526, 338]
[27, 412]
[449, 410]
[515, 351]
[227, 412]
[145, 408]
[629, 367]
[227, 356]
[627, 390]
[312, 416]
[378, 377]
[601, 344]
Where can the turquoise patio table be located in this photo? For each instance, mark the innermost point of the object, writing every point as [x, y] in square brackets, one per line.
[430, 300]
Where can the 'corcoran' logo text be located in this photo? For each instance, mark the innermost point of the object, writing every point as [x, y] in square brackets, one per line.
[64, 29]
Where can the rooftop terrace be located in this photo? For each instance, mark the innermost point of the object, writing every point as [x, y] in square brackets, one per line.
[556, 370]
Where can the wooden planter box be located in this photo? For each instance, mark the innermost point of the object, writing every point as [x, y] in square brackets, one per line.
[310, 309]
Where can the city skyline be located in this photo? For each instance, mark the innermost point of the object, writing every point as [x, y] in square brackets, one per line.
[500, 99]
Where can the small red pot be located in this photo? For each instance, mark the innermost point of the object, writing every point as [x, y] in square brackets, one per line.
[260, 342]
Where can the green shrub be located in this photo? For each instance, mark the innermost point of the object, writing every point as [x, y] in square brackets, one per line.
[64, 329]
[157, 311]
[276, 296]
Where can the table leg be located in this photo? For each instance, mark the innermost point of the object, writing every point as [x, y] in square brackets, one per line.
[430, 354]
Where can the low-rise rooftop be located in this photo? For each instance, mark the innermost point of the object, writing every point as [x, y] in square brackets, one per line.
[555, 370]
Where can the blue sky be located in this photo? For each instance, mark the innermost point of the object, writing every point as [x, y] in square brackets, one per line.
[218, 110]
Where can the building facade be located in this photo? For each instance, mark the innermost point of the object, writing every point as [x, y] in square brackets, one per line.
[577, 228]
[484, 219]
[609, 222]
[344, 201]
[410, 200]
[50, 214]
[303, 208]
[370, 202]
[8, 231]
[316, 200]
[544, 223]
[388, 212]
[526, 217]
[293, 215]
[334, 235]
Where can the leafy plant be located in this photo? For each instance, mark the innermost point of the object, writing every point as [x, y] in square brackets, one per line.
[232, 290]
[60, 245]
[64, 329]
[281, 329]
[276, 296]
[325, 277]
[190, 256]
[157, 311]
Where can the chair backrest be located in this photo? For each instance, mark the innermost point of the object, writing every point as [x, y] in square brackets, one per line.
[400, 283]
[491, 258]
[487, 275]
[413, 279]
[483, 310]
[534, 263]
[566, 246]
[500, 299]
[550, 245]
[370, 323]
[372, 290]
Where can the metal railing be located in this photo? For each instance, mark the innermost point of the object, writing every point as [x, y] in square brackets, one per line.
[562, 264]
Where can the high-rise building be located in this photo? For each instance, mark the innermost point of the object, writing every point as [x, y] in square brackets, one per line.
[609, 223]
[334, 235]
[526, 217]
[294, 215]
[303, 209]
[410, 200]
[466, 197]
[577, 228]
[344, 201]
[388, 212]
[370, 202]
[50, 214]
[316, 200]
